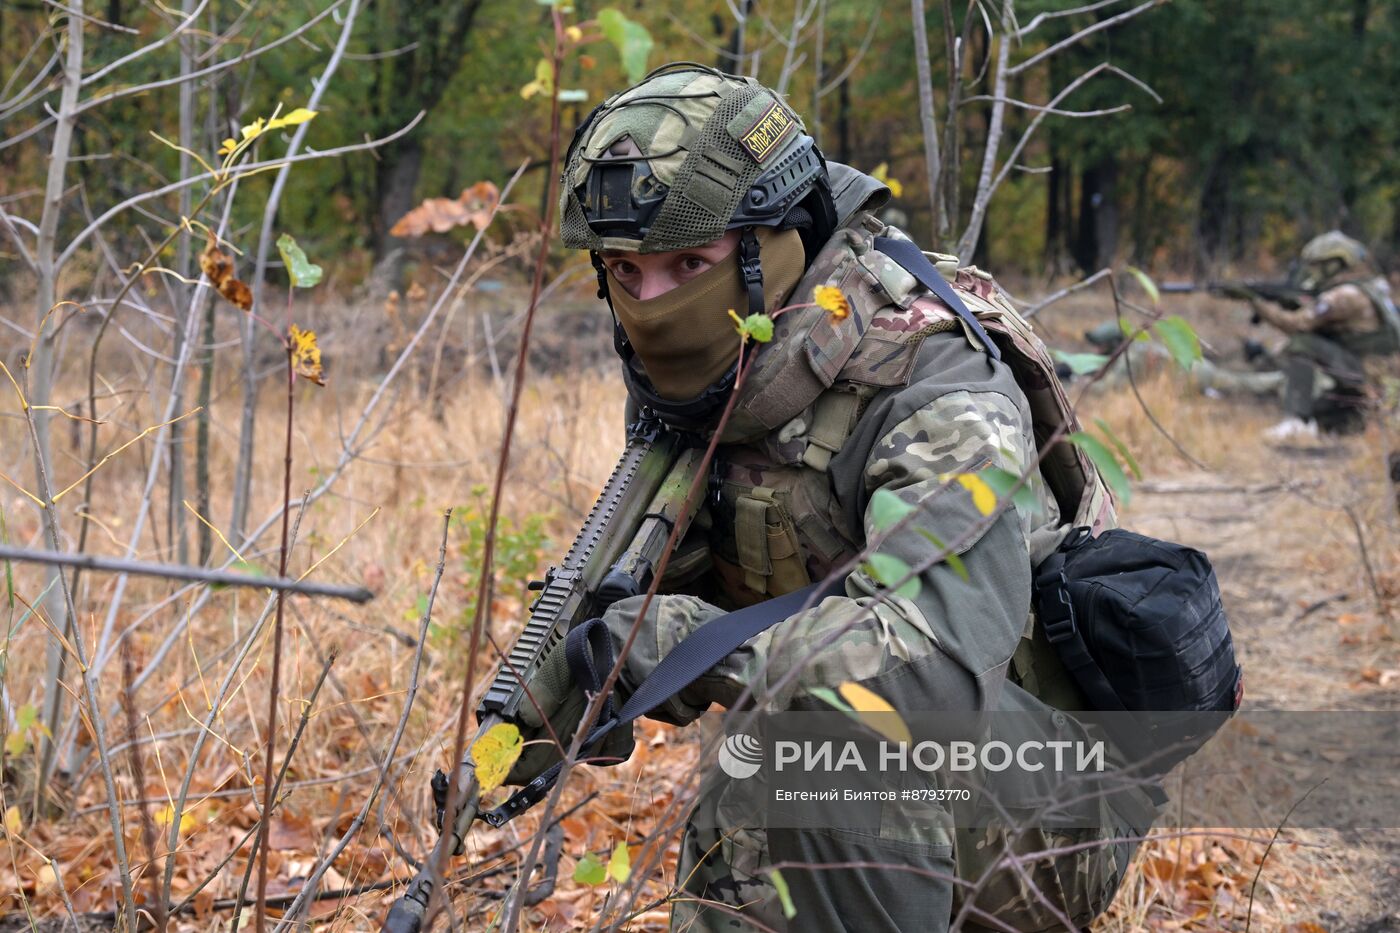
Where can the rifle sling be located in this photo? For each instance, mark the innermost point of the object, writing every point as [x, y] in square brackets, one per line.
[589, 652]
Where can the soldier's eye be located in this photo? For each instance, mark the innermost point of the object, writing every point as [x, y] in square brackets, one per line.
[694, 264]
[624, 268]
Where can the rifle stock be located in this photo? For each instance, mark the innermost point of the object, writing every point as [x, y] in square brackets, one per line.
[613, 556]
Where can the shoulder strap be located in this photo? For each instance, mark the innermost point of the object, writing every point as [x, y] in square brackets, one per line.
[589, 649]
[913, 261]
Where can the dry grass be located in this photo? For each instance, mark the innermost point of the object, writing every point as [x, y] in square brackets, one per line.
[420, 462]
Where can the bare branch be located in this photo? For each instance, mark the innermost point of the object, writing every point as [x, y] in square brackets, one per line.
[1082, 34]
[174, 186]
[1056, 14]
[101, 73]
[1052, 111]
[845, 72]
[141, 568]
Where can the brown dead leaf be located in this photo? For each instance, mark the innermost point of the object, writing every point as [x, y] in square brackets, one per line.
[416, 292]
[439, 215]
[1371, 675]
[218, 266]
[1348, 618]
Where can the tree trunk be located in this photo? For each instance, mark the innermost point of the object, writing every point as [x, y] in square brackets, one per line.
[1097, 240]
[396, 177]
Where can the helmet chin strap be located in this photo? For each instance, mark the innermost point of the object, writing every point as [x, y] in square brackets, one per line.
[751, 269]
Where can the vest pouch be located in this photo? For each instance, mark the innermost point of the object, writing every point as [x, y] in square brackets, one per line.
[1139, 625]
[766, 543]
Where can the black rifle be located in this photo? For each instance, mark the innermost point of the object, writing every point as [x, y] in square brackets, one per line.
[1282, 293]
[614, 556]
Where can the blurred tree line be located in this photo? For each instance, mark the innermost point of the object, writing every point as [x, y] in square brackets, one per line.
[1276, 120]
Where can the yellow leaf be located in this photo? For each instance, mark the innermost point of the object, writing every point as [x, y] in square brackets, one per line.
[982, 496]
[306, 356]
[13, 824]
[167, 815]
[574, 33]
[528, 91]
[620, 865]
[882, 175]
[254, 129]
[875, 712]
[495, 753]
[299, 115]
[228, 146]
[830, 299]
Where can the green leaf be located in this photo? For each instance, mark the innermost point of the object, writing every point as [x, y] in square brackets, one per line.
[26, 716]
[784, 895]
[590, 870]
[952, 560]
[759, 327]
[1107, 464]
[1147, 284]
[572, 95]
[887, 509]
[303, 272]
[1081, 363]
[1136, 333]
[1003, 481]
[889, 570]
[1123, 451]
[1180, 339]
[632, 40]
[827, 695]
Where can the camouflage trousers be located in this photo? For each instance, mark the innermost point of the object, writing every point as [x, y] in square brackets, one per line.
[916, 873]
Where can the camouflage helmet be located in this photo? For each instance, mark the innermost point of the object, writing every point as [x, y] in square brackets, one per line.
[1334, 246]
[684, 156]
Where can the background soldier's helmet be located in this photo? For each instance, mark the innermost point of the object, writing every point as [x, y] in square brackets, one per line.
[684, 156]
[1332, 253]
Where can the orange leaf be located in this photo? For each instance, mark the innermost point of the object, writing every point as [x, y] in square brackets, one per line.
[439, 215]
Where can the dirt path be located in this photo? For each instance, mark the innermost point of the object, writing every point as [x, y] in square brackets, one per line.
[1306, 626]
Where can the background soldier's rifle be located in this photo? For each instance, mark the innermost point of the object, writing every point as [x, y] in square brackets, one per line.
[1282, 293]
[614, 556]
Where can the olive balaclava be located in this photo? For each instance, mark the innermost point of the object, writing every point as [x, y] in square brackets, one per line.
[685, 338]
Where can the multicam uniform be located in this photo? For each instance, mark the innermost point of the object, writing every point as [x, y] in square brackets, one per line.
[893, 398]
[1329, 336]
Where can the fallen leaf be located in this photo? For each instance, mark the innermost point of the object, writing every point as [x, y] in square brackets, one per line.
[306, 356]
[495, 753]
[13, 823]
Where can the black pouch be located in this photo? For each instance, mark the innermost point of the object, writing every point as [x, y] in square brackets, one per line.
[1139, 625]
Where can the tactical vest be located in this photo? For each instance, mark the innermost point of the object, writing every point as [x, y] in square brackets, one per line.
[777, 522]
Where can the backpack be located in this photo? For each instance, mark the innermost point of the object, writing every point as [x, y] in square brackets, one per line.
[1133, 624]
